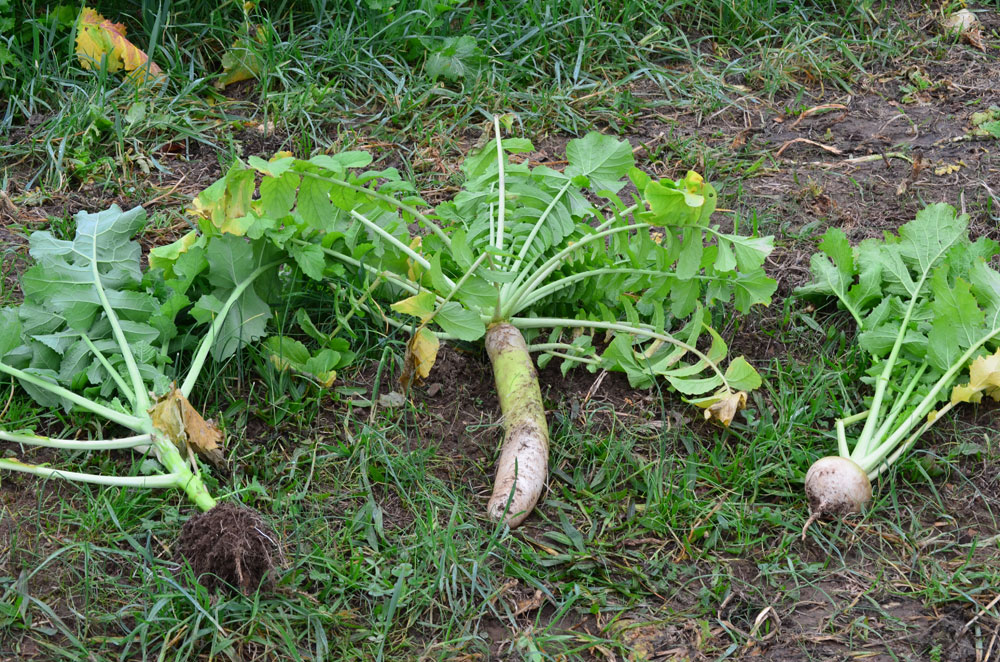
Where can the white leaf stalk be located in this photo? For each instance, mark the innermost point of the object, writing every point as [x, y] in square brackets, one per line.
[179, 473]
[522, 284]
[841, 485]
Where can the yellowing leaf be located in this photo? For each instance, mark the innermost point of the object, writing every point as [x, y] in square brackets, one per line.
[99, 39]
[163, 257]
[984, 377]
[227, 202]
[947, 169]
[174, 416]
[420, 305]
[723, 405]
[421, 353]
[414, 271]
[241, 61]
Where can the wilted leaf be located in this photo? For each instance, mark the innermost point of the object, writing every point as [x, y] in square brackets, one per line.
[174, 415]
[420, 305]
[723, 405]
[947, 169]
[98, 38]
[421, 353]
[391, 400]
[984, 377]
[241, 61]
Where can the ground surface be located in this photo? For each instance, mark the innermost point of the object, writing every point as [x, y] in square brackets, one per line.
[660, 537]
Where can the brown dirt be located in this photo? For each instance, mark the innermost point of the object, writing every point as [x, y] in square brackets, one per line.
[229, 546]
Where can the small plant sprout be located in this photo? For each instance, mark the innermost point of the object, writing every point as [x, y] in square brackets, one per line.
[530, 260]
[927, 306]
[94, 334]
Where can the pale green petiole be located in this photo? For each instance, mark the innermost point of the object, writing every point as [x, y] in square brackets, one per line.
[122, 386]
[77, 444]
[161, 480]
[514, 302]
[123, 419]
[874, 455]
[206, 343]
[140, 397]
[550, 322]
[501, 182]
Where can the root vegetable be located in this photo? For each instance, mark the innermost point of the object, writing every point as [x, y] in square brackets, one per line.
[84, 338]
[524, 457]
[836, 486]
[927, 305]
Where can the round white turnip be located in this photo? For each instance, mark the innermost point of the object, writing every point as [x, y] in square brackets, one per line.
[836, 486]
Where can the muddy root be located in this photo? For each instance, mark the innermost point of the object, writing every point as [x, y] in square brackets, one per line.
[230, 546]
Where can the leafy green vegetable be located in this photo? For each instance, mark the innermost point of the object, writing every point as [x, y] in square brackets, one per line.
[926, 303]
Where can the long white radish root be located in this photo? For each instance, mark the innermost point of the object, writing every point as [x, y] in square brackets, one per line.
[524, 458]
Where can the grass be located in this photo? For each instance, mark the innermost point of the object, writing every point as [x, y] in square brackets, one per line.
[648, 527]
[367, 73]
[659, 537]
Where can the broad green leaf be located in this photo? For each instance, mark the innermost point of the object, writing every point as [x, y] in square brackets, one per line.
[460, 322]
[10, 330]
[231, 261]
[310, 259]
[671, 206]
[314, 203]
[452, 57]
[339, 162]
[958, 321]
[275, 167]
[277, 195]
[602, 159]
[741, 375]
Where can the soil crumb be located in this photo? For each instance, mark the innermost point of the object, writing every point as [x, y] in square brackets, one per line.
[229, 546]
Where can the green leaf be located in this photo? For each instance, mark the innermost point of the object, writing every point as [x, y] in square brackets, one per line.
[671, 206]
[958, 320]
[275, 168]
[460, 322]
[314, 204]
[741, 375]
[310, 259]
[231, 261]
[751, 289]
[340, 162]
[277, 195]
[10, 330]
[602, 159]
[692, 247]
[452, 57]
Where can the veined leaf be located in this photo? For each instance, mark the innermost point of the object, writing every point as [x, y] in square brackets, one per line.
[99, 40]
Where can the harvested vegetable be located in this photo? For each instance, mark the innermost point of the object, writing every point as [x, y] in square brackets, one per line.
[96, 334]
[526, 260]
[927, 306]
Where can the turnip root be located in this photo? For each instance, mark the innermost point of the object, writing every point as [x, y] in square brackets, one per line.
[943, 322]
[524, 457]
[836, 486]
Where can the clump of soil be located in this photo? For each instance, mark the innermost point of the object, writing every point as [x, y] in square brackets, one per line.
[229, 546]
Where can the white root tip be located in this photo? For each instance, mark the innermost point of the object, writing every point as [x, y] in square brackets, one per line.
[523, 467]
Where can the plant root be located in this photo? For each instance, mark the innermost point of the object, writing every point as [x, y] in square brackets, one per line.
[230, 546]
[835, 486]
[523, 464]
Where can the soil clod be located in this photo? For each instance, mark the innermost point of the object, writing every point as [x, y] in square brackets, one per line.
[230, 546]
